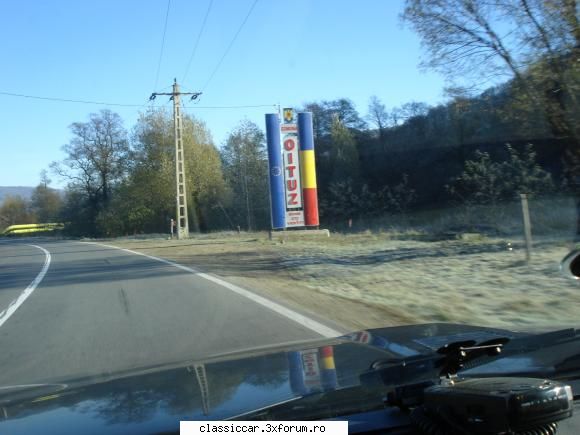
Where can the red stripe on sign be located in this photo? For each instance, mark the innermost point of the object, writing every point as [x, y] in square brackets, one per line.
[326, 351]
[310, 198]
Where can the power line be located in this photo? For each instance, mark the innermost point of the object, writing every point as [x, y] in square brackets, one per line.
[197, 40]
[162, 45]
[248, 106]
[103, 103]
[230, 45]
[67, 100]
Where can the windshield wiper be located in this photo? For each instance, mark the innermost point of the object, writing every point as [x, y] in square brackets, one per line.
[426, 369]
[453, 357]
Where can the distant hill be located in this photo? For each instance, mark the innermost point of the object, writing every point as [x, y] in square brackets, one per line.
[23, 191]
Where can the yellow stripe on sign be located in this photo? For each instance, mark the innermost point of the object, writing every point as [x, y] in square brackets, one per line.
[328, 363]
[308, 169]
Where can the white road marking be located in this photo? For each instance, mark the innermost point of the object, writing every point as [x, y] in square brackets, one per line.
[301, 319]
[15, 304]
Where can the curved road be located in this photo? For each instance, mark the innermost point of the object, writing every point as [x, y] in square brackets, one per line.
[99, 310]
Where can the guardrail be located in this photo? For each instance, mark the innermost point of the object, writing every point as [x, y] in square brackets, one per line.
[32, 228]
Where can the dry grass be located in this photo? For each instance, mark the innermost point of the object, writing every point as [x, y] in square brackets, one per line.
[375, 279]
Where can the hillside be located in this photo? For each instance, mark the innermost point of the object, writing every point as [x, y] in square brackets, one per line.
[23, 191]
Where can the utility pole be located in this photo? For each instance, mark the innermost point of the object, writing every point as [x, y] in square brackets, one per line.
[182, 221]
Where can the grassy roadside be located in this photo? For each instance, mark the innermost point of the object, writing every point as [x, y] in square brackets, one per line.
[369, 280]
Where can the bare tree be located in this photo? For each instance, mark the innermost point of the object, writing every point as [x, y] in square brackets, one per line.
[245, 166]
[533, 41]
[96, 159]
[44, 180]
[97, 155]
[413, 109]
[378, 115]
[460, 36]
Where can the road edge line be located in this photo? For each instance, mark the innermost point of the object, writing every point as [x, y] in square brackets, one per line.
[16, 303]
[301, 319]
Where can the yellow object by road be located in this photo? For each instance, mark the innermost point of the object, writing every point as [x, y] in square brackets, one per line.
[32, 228]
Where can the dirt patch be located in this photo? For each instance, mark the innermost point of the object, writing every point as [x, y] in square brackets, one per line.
[370, 280]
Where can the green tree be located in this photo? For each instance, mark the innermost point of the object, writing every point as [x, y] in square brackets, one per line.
[146, 200]
[399, 197]
[523, 174]
[340, 202]
[78, 213]
[246, 171]
[480, 182]
[207, 185]
[344, 201]
[486, 182]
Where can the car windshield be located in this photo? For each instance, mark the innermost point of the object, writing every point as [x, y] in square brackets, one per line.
[183, 180]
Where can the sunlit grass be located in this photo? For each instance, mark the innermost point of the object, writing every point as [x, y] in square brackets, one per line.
[394, 276]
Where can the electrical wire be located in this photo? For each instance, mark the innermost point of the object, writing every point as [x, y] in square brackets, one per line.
[250, 106]
[103, 103]
[67, 100]
[230, 45]
[197, 40]
[162, 45]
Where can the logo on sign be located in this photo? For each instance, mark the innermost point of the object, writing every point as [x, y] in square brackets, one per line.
[276, 171]
[288, 115]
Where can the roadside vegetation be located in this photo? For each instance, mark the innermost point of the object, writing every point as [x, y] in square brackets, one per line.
[509, 126]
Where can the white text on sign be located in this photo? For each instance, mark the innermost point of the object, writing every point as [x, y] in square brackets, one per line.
[292, 172]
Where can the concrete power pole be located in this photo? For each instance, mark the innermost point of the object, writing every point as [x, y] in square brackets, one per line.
[182, 222]
[181, 199]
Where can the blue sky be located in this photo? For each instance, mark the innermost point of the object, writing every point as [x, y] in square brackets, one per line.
[288, 53]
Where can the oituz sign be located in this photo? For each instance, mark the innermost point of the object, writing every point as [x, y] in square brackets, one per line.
[293, 196]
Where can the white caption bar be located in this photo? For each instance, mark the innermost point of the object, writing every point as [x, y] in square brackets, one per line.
[264, 427]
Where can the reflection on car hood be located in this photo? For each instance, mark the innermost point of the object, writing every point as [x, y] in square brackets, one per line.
[155, 400]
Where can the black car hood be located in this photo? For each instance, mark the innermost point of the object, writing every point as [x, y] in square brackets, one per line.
[154, 400]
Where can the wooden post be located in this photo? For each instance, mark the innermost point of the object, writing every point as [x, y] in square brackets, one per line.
[527, 225]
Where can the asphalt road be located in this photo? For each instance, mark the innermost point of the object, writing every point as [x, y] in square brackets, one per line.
[98, 310]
